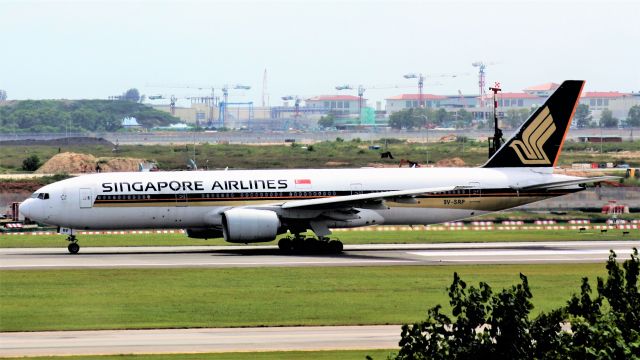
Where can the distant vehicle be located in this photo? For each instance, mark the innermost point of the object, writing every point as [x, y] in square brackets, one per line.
[249, 206]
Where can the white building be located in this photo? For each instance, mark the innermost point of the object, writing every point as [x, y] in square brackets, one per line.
[338, 104]
[407, 101]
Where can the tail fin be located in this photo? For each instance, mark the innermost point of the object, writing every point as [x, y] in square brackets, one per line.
[538, 141]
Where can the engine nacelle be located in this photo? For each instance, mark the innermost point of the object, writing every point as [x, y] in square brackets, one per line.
[204, 233]
[249, 225]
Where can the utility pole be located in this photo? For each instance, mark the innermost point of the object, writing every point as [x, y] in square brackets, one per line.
[496, 141]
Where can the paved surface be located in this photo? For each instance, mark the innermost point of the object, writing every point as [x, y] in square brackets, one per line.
[354, 255]
[265, 339]
[199, 340]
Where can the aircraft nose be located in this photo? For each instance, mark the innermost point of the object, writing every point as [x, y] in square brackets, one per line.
[26, 208]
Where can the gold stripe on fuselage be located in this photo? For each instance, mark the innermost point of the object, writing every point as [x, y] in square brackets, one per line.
[485, 203]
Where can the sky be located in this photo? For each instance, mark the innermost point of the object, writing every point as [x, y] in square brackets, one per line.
[95, 49]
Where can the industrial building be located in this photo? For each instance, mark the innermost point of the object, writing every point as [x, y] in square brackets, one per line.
[303, 112]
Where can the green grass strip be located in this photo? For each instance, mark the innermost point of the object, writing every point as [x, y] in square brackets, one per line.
[175, 298]
[348, 237]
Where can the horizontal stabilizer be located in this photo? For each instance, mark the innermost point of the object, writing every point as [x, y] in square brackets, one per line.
[558, 184]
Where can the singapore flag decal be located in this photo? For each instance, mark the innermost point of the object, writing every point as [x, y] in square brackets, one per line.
[303, 183]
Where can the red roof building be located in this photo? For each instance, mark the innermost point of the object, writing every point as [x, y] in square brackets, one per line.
[545, 89]
[417, 97]
[334, 98]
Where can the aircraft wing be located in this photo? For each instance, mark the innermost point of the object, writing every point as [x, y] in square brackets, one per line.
[351, 200]
[556, 184]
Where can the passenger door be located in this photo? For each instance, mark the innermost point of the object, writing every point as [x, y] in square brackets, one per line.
[86, 198]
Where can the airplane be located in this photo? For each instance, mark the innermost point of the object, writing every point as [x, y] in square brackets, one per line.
[250, 206]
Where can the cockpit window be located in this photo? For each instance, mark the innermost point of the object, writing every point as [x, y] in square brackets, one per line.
[35, 195]
[43, 196]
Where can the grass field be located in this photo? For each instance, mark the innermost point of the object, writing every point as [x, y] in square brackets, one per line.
[348, 237]
[275, 355]
[175, 298]
[347, 154]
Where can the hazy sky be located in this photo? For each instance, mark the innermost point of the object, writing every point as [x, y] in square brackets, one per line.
[93, 49]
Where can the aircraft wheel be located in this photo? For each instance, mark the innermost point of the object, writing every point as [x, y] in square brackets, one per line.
[298, 245]
[285, 244]
[73, 248]
[335, 246]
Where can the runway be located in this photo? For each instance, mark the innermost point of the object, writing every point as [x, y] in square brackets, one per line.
[354, 255]
[198, 340]
[265, 339]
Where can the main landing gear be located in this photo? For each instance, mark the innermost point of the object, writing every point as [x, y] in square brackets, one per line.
[73, 244]
[310, 245]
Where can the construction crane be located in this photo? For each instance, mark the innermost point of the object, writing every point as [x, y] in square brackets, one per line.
[222, 113]
[296, 104]
[421, 78]
[481, 65]
[361, 90]
[210, 100]
[172, 101]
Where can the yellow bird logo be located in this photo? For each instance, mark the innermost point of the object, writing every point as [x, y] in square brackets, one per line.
[529, 149]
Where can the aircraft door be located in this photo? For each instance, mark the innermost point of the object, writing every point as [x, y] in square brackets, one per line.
[182, 200]
[86, 198]
[475, 191]
[356, 189]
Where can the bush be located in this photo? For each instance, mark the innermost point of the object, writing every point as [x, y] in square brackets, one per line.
[32, 163]
[488, 325]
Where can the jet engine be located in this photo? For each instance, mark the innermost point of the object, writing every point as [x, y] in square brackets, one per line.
[249, 225]
[204, 233]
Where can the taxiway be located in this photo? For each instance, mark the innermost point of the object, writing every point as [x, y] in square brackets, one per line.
[354, 255]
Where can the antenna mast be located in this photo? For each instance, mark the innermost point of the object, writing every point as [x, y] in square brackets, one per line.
[495, 142]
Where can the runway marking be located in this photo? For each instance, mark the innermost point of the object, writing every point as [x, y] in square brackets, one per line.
[550, 252]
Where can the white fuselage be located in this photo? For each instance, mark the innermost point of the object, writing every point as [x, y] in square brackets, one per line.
[196, 199]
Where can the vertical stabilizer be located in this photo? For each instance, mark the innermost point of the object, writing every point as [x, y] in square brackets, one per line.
[537, 143]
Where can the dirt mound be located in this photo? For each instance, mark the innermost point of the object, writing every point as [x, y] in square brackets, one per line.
[25, 186]
[382, 165]
[336, 163]
[72, 163]
[59, 142]
[452, 162]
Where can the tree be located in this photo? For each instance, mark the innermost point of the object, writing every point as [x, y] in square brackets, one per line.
[488, 325]
[442, 116]
[131, 95]
[607, 120]
[326, 121]
[32, 163]
[633, 118]
[583, 116]
[410, 118]
[513, 118]
[464, 116]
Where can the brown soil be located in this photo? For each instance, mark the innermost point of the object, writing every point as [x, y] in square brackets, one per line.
[451, 162]
[59, 142]
[72, 163]
[19, 186]
[336, 163]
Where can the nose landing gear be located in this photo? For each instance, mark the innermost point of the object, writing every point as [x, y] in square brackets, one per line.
[73, 244]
